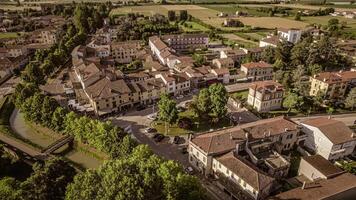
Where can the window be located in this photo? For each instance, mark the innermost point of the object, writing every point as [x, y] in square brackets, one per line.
[219, 166]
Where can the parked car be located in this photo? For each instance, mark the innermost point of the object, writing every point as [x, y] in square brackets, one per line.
[158, 137]
[183, 150]
[180, 97]
[176, 139]
[150, 130]
[189, 170]
[140, 107]
[152, 116]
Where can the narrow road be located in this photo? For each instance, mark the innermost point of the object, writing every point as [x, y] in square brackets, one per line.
[348, 119]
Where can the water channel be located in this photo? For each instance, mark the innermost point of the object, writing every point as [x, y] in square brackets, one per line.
[22, 128]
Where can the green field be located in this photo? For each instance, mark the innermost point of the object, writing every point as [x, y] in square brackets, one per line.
[8, 35]
[193, 27]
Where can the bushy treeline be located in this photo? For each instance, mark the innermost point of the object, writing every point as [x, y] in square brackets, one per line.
[138, 27]
[44, 110]
[140, 175]
[47, 181]
[86, 20]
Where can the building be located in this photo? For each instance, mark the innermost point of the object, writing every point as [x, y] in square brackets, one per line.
[329, 138]
[176, 84]
[265, 96]
[125, 52]
[223, 63]
[341, 187]
[290, 35]
[238, 171]
[269, 41]
[257, 71]
[332, 85]
[256, 144]
[237, 55]
[184, 42]
[316, 167]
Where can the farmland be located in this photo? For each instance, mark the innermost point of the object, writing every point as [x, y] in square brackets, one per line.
[8, 35]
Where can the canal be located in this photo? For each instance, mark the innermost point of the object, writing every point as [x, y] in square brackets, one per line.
[42, 137]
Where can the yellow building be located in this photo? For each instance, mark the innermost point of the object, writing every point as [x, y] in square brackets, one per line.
[331, 85]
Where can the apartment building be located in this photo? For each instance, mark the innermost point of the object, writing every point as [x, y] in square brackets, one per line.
[125, 52]
[183, 42]
[331, 85]
[290, 35]
[14, 51]
[257, 142]
[176, 84]
[240, 172]
[223, 63]
[265, 96]
[329, 138]
[257, 71]
[159, 49]
[49, 36]
[237, 55]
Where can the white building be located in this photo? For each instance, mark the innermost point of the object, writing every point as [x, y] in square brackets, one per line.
[329, 138]
[290, 35]
[265, 96]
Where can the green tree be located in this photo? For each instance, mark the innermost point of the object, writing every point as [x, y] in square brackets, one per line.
[199, 60]
[171, 15]
[167, 110]
[290, 101]
[183, 15]
[350, 100]
[9, 189]
[269, 54]
[218, 99]
[203, 102]
[48, 181]
[49, 105]
[139, 176]
[33, 74]
[58, 117]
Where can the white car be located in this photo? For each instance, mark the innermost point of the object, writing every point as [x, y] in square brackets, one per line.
[180, 97]
[189, 170]
[152, 116]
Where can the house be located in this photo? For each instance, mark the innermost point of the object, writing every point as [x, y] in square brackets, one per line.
[331, 85]
[255, 52]
[125, 52]
[341, 187]
[257, 71]
[329, 138]
[223, 63]
[265, 96]
[238, 172]
[316, 167]
[222, 75]
[269, 41]
[277, 131]
[237, 55]
[290, 35]
[159, 49]
[232, 152]
[176, 84]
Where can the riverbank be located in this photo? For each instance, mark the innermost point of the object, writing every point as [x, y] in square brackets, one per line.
[40, 137]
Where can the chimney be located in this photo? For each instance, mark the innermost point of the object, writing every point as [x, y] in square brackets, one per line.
[303, 187]
[231, 138]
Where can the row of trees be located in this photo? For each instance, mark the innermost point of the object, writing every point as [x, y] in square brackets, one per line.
[183, 15]
[138, 27]
[44, 110]
[138, 176]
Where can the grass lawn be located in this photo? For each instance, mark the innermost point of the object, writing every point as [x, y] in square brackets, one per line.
[193, 27]
[243, 42]
[323, 20]
[8, 35]
[240, 94]
[199, 126]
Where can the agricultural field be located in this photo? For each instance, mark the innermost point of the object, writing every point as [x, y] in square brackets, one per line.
[193, 27]
[323, 20]
[272, 22]
[8, 35]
